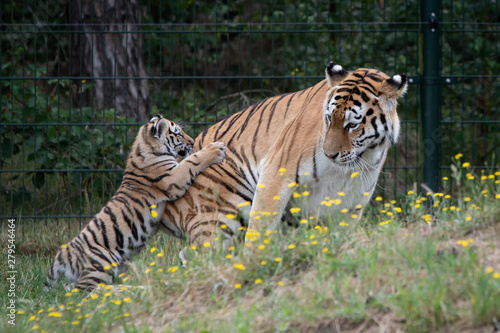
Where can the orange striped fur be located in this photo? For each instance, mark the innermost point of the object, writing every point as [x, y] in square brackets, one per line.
[152, 176]
[318, 136]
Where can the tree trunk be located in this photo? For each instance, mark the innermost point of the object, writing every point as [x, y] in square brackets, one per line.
[102, 47]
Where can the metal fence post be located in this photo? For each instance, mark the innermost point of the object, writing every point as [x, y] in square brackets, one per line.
[430, 90]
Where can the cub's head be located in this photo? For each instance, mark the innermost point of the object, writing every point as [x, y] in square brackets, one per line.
[161, 136]
[359, 113]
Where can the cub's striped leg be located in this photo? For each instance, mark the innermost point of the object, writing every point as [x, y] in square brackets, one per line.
[184, 174]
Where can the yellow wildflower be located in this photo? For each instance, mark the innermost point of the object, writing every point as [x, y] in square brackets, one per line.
[294, 210]
[237, 286]
[305, 193]
[354, 174]
[343, 224]
[230, 216]
[466, 164]
[206, 244]
[239, 266]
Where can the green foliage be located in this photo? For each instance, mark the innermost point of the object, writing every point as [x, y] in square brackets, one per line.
[47, 133]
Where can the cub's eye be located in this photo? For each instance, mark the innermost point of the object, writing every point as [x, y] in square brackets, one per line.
[351, 126]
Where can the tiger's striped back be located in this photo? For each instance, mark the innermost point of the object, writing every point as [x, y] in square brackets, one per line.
[152, 176]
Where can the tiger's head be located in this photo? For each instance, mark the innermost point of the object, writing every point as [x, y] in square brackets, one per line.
[359, 113]
[164, 137]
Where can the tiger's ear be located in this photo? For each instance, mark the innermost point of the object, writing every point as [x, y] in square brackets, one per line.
[392, 89]
[160, 128]
[335, 74]
[395, 86]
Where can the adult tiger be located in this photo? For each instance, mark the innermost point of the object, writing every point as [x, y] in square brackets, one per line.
[320, 135]
[152, 176]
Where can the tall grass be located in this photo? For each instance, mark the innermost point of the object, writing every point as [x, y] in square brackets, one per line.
[430, 262]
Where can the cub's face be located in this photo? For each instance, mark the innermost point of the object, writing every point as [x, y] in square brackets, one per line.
[360, 113]
[167, 138]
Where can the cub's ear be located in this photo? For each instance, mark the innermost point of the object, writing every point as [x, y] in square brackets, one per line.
[335, 74]
[160, 128]
[395, 86]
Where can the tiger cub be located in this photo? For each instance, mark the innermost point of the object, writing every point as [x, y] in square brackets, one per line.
[152, 176]
[320, 136]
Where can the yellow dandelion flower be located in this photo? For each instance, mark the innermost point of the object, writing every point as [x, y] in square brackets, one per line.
[343, 224]
[63, 246]
[152, 206]
[35, 327]
[230, 216]
[228, 256]
[358, 206]
[390, 214]
[239, 266]
[32, 318]
[258, 281]
[291, 246]
[160, 254]
[280, 283]
[107, 267]
[153, 249]
[378, 199]
[261, 247]
[243, 204]
[325, 250]
[445, 178]
[307, 173]
[489, 270]
[154, 214]
[410, 192]
[276, 197]
[354, 174]
[20, 312]
[314, 242]
[466, 164]
[118, 302]
[55, 314]
[152, 264]
[94, 296]
[67, 294]
[261, 185]
[341, 194]
[237, 286]
[174, 269]
[294, 210]
[303, 221]
[127, 300]
[206, 244]
[282, 170]
[457, 156]
[417, 206]
[366, 194]
[468, 218]
[464, 243]
[466, 199]
[343, 210]
[398, 209]
[305, 193]
[491, 176]
[278, 259]
[263, 262]
[296, 195]
[384, 222]
[497, 196]
[354, 216]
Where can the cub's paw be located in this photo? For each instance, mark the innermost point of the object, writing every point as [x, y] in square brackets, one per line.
[216, 152]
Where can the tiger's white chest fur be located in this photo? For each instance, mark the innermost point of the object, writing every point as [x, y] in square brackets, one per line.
[337, 184]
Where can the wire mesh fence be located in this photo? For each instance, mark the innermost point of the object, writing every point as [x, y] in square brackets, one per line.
[79, 77]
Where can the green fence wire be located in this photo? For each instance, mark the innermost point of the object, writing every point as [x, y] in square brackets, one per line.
[79, 77]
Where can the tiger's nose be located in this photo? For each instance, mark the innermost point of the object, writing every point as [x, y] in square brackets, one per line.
[332, 156]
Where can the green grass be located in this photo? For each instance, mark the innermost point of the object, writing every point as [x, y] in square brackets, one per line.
[434, 267]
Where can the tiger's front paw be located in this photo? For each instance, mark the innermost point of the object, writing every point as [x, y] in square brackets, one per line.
[216, 152]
